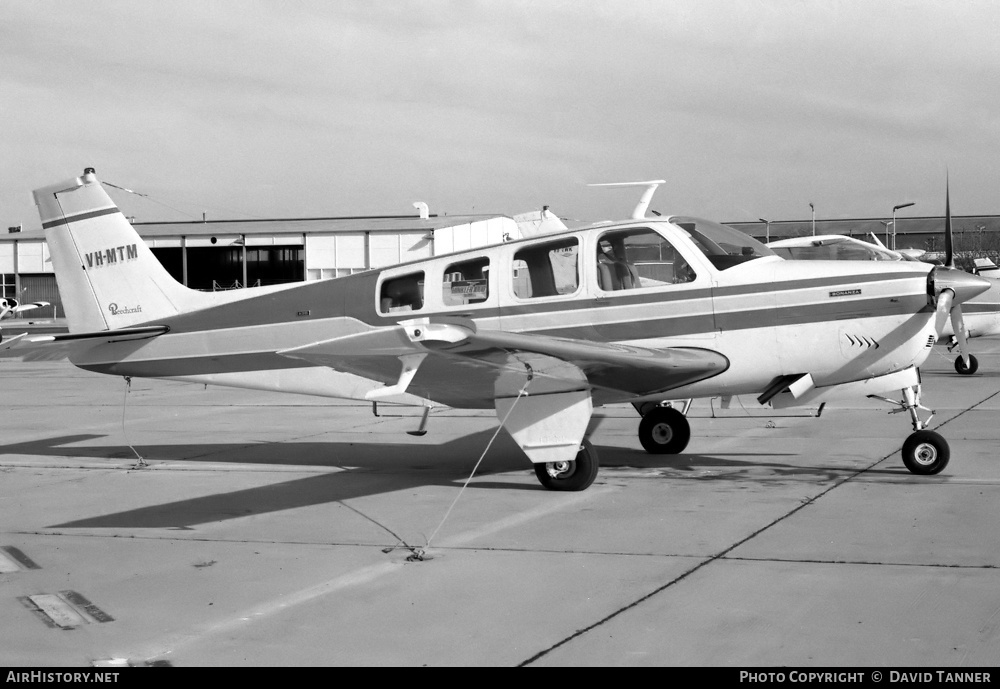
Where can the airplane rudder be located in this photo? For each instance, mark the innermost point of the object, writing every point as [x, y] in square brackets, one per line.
[107, 276]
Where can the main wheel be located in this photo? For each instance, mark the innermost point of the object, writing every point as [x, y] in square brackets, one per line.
[926, 452]
[575, 475]
[967, 370]
[664, 431]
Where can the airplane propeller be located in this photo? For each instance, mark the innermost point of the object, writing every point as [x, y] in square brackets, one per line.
[951, 287]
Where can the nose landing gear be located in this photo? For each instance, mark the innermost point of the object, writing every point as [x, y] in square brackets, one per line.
[924, 452]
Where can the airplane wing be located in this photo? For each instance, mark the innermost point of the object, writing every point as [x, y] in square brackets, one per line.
[57, 346]
[451, 361]
[8, 307]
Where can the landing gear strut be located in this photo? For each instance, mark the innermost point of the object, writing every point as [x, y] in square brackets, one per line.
[574, 475]
[924, 452]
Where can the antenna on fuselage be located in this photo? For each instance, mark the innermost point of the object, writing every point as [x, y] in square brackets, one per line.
[640, 209]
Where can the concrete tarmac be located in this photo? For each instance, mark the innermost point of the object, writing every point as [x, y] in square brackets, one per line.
[279, 530]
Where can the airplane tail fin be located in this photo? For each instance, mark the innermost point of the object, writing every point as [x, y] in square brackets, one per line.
[107, 276]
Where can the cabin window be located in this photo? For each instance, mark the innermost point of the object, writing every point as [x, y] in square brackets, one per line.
[546, 270]
[403, 293]
[466, 282]
[629, 259]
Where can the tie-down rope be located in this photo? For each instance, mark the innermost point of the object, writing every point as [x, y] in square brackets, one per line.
[418, 553]
[128, 388]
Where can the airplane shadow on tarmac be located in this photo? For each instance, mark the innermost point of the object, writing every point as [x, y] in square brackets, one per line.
[377, 467]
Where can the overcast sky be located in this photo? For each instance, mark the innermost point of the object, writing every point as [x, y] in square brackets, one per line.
[750, 109]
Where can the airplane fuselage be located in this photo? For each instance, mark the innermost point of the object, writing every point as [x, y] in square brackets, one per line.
[767, 316]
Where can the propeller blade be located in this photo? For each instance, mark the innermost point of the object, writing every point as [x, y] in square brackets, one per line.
[943, 308]
[949, 248]
[958, 326]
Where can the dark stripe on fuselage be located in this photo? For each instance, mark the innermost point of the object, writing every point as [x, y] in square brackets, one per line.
[80, 216]
[353, 296]
[810, 283]
[654, 327]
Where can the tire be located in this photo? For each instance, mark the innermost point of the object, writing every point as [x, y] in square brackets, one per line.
[664, 431]
[575, 475]
[926, 453]
[972, 367]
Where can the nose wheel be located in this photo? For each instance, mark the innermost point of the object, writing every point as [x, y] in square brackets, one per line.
[926, 452]
[960, 366]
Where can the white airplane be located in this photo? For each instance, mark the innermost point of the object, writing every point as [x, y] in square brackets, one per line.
[980, 315]
[9, 307]
[540, 329]
[987, 269]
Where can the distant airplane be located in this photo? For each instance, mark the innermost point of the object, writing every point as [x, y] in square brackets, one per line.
[980, 315]
[9, 307]
[987, 269]
[540, 329]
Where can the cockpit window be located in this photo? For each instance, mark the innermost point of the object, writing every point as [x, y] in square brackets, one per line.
[629, 259]
[724, 246]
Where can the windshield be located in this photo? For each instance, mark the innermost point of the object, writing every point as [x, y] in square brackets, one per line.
[724, 246]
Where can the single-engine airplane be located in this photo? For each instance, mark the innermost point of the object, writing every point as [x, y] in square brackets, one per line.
[540, 329]
[9, 307]
[980, 315]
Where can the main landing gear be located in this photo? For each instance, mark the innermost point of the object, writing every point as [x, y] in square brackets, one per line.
[924, 452]
[663, 430]
[574, 475]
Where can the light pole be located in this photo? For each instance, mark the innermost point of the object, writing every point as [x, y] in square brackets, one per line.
[767, 230]
[814, 218]
[894, 209]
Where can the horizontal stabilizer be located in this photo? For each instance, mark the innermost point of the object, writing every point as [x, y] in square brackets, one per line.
[59, 345]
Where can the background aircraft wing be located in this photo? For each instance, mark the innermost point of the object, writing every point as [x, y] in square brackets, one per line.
[456, 363]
